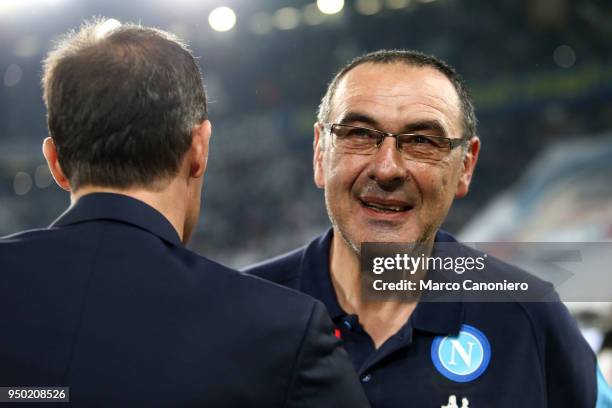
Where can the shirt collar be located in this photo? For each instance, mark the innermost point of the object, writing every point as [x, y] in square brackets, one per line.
[315, 276]
[433, 317]
[122, 208]
[439, 317]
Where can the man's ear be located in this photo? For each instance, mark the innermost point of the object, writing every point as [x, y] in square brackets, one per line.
[198, 152]
[469, 164]
[50, 153]
[318, 147]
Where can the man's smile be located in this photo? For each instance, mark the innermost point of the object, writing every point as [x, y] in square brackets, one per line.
[385, 206]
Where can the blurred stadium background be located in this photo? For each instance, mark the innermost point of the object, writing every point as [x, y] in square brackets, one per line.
[540, 72]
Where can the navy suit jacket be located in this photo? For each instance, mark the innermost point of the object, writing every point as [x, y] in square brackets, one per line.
[109, 302]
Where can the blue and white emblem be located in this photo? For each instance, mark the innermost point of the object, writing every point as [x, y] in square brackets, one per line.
[464, 357]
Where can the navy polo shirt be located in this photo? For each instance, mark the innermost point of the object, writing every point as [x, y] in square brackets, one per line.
[460, 354]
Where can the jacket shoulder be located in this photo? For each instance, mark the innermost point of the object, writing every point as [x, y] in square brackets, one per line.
[283, 269]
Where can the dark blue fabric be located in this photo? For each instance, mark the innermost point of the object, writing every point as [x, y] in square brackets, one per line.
[538, 357]
[108, 302]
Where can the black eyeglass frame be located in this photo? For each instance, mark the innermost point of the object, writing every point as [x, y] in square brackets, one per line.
[452, 142]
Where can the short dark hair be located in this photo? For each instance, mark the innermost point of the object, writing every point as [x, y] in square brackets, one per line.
[122, 101]
[411, 58]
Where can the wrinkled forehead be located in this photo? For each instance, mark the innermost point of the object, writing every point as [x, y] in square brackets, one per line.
[396, 95]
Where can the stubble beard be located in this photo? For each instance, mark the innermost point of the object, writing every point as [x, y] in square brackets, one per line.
[425, 237]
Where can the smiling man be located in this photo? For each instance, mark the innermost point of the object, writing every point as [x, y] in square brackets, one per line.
[394, 145]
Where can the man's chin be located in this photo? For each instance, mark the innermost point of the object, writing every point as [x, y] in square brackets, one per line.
[354, 240]
[385, 232]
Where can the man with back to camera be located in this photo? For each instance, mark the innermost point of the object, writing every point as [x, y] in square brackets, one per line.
[395, 143]
[107, 300]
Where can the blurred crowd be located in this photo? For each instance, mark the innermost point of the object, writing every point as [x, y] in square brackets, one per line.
[540, 72]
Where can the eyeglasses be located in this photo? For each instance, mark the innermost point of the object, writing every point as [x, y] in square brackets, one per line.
[359, 140]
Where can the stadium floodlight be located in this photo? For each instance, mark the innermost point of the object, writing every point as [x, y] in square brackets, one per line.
[222, 19]
[9, 6]
[13, 6]
[330, 6]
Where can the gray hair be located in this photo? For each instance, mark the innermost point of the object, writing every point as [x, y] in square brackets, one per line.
[411, 58]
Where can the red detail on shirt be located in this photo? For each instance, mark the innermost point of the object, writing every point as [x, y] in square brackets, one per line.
[337, 333]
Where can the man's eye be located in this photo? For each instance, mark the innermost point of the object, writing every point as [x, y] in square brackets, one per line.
[360, 133]
[424, 140]
[420, 139]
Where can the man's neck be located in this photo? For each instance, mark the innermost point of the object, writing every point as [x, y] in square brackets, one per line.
[380, 320]
[165, 201]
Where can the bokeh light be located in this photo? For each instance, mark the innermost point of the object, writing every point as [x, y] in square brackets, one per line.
[222, 19]
[22, 183]
[368, 7]
[12, 75]
[564, 56]
[42, 176]
[287, 18]
[397, 4]
[330, 6]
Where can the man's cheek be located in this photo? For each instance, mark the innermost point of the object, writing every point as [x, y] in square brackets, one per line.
[444, 182]
[340, 175]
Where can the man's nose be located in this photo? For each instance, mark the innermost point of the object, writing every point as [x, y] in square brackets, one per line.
[387, 167]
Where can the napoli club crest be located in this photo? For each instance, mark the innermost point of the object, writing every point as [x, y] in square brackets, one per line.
[464, 357]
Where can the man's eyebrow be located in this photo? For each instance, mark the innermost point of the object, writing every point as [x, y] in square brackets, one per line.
[418, 126]
[421, 125]
[351, 117]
